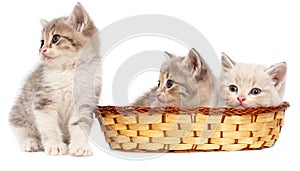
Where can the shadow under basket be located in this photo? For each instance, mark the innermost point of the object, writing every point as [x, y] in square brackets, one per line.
[168, 129]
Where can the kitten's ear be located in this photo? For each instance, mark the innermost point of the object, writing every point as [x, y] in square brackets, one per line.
[44, 22]
[192, 60]
[169, 55]
[79, 18]
[227, 63]
[277, 72]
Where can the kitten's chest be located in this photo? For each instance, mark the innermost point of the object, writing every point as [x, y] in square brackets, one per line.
[60, 79]
[61, 82]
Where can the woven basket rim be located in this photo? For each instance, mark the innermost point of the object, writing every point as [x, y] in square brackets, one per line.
[133, 110]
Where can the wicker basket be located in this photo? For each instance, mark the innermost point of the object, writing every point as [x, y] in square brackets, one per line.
[136, 128]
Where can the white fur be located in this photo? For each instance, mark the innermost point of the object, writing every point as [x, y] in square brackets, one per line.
[55, 109]
[245, 77]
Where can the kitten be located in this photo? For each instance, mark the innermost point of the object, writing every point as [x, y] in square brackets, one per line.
[183, 81]
[54, 111]
[251, 85]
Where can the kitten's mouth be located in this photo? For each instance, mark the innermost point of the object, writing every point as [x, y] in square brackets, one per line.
[161, 100]
[47, 57]
[164, 100]
[241, 105]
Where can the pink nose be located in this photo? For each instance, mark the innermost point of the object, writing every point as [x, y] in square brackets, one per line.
[44, 50]
[241, 99]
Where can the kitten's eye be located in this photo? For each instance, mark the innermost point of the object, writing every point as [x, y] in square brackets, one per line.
[158, 84]
[233, 88]
[255, 91]
[55, 38]
[170, 83]
[42, 43]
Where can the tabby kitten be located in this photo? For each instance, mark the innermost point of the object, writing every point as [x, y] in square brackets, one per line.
[54, 110]
[251, 85]
[183, 81]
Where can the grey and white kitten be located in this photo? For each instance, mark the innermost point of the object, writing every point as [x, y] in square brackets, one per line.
[54, 111]
[251, 85]
[183, 81]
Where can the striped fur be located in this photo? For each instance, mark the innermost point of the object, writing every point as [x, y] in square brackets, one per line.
[54, 110]
[192, 83]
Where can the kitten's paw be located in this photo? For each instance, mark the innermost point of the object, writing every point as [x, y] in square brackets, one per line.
[56, 149]
[32, 145]
[80, 150]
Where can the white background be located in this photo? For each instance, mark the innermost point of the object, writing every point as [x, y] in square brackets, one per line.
[263, 32]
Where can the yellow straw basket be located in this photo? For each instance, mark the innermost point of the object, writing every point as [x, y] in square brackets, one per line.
[166, 129]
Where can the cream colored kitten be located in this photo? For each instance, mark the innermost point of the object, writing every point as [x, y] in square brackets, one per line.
[54, 111]
[183, 81]
[251, 85]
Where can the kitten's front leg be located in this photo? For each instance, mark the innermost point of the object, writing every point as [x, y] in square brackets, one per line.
[79, 126]
[48, 126]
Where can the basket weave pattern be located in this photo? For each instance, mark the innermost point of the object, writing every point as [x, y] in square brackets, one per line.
[136, 128]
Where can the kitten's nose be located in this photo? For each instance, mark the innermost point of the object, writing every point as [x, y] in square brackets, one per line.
[241, 99]
[44, 50]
